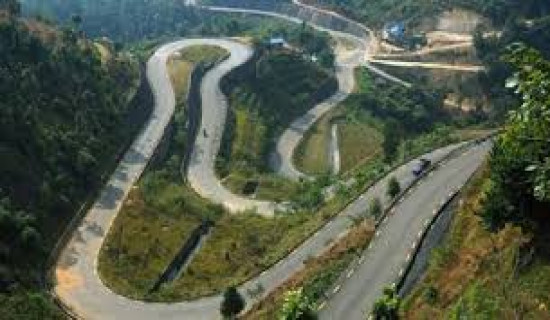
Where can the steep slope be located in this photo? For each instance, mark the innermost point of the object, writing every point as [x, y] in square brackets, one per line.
[64, 117]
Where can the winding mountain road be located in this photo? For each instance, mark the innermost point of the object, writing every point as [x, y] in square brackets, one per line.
[201, 171]
[282, 159]
[78, 285]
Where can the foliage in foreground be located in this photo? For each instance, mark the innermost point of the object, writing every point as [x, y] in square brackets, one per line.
[297, 306]
[520, 161]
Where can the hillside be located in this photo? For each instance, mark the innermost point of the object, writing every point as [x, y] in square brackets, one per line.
[65, 117]
[494, 262]
[282, 87]
[382, 11]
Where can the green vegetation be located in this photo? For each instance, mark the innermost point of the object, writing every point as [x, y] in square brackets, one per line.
[359, 136]
[412, 11]
[375, 208]
[282, 87]
[520, 161]
[65, 118]
[494, 262]
[313, 152]
[387, 307]
[393, 187]
[297, 306]
[359, 140]
[180, 66]
[161, 208]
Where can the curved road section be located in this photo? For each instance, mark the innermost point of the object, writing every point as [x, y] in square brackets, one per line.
[282, 159]
[391, 249]
[77, 283]
[346, 60]
[79, 287]
[200, 173]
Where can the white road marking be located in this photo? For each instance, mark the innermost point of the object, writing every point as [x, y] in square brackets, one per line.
[350, 273]
[336, 289]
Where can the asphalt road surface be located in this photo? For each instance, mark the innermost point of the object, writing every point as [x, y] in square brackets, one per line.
[390, 250]
[81, 290]
[201, 171]
[78, 285]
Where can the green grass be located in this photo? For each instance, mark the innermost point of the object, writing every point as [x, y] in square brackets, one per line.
[359, 137]
[283, 87]
[181, 65]
[148, 233]
[312, 154]
[360, 140]
[270, 186]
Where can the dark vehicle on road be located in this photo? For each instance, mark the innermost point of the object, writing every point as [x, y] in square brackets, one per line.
[421, 166]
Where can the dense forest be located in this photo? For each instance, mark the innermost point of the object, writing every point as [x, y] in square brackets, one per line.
[64, 118]
[379, 12]
[124, 20]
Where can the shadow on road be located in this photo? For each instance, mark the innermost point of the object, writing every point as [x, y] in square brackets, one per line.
[109, 197]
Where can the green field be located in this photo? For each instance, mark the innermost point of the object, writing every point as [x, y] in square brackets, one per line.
[312, 154]
[181, 65]
[360, 140]
[359, 135]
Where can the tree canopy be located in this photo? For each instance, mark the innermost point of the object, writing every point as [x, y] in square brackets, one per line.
[519, 189]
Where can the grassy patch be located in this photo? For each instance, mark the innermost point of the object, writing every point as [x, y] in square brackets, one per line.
[312, 154]
[477, 274]
[181, 64]
[359, 139]
[163, 214]
[270, 186]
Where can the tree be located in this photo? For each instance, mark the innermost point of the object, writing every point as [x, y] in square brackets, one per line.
[12, 6]
[76, 20]
[297, 306]
[387, 307]
[375, 207]
[392, 138]
[393, 187]
[519, 191]
[232, 304]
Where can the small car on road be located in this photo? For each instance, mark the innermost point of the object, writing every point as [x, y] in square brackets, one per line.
[421, 166]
